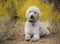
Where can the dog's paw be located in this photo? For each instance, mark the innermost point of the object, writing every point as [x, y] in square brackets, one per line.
[27, 38]
[34, 39]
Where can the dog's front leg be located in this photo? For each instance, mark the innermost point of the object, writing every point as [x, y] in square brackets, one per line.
[36, 35]
[27, 34]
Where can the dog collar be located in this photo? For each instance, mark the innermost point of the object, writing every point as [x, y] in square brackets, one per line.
[33, 22]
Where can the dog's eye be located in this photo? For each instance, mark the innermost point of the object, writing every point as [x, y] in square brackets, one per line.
[35, 12]
[29, 11]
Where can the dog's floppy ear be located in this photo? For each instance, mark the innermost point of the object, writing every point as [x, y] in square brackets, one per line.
[27, 11]
[39, 14]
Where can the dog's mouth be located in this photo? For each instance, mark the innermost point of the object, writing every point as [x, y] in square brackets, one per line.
[32, 20]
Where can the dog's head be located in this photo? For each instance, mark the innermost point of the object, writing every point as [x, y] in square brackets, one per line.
[33, 14]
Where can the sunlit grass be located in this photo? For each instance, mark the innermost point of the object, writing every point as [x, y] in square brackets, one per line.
[46, 9]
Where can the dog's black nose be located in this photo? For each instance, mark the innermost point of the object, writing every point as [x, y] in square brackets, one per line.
[31, 16]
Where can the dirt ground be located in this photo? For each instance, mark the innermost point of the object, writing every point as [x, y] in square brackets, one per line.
[53, 38]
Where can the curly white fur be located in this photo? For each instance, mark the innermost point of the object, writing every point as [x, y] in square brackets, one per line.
[32, 26]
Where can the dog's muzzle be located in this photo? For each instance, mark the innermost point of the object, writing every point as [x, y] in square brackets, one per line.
[32, 19]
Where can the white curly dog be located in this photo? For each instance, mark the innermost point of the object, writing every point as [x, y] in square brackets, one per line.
[33, 28]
